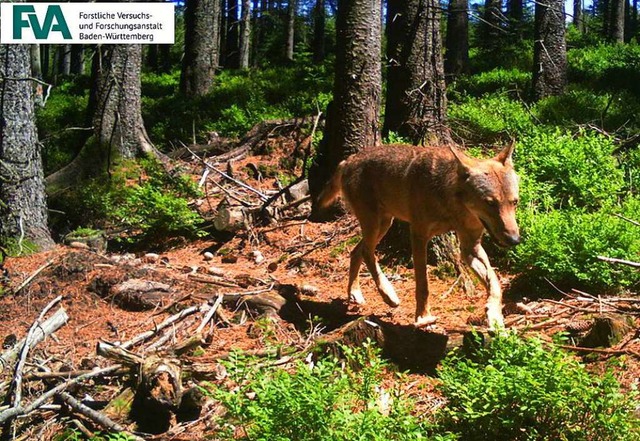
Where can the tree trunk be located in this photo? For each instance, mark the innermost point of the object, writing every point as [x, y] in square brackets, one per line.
[291, 29]
[231, 57]
[550, 50]
[319, 24]
[64, 59]
[491, 24]
[457, 56]
[616, 25]
[634, 19]
[605, 7]
[23, 206]
[201, 46]
[44, 60]
[353, 117]
[165, 58]
[416, 100]
[36, 65]
[245, 34]
[119, 131]
[515, 10]
[577, 15]
[77, 59]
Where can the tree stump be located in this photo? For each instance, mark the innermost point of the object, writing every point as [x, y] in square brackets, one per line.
[607, 331]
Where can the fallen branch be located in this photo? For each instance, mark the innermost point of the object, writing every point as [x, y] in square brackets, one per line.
[17, 376]
[210, 313]
[14, 412]
[28, 280]
[95, 416]
[168, 322]
[46, 328]
[600, 350]
[620, 261]
[262, 196]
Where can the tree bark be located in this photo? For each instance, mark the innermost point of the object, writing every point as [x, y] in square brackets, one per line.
[352, 122]
[36, 66]
[319, 24]
[550, 50]
[64, 59]
[77, 59]
[292, 8]
[515, 10]
[416, 100]
[245, 34]
[201, 46]
[577, 15]
[616, 25]
[23, 205]
[457, 55]
[491, 25]
[119, 131]
[291, 29]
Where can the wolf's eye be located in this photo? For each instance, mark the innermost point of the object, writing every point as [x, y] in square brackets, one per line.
[491, 201]
[514, 202]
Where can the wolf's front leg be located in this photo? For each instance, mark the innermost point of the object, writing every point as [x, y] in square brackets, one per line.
[476, 257]
[419, 251]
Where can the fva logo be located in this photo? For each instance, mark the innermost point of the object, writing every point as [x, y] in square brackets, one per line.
[24, 16]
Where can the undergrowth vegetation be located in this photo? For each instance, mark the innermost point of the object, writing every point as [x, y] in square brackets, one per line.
[514, 389]
[141, 200]
[576, 153]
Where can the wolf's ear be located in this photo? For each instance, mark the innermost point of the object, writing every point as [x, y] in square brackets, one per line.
[464, 162]
[505, 156]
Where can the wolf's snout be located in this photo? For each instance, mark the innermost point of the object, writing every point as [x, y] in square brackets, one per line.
[512, 239]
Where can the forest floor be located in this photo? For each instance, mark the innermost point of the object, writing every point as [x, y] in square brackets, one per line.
[305, 263]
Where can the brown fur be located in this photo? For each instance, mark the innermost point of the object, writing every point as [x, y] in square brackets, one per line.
[435, 189]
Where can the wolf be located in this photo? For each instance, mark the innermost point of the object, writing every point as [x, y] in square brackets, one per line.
[435, 189]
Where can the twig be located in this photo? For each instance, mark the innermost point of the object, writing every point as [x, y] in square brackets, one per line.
[95, 416]
[169, 321]
[600, 350]
[620, 261]
[14, 412]
[210, 313]
[17, 377]
[39, 376]
[32, 276]
[631, 221]
[211, 280]
[223, 174]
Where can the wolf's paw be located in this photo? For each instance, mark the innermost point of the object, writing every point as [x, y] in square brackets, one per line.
[355, 296]
[389, 294]
[495, 320]
[425, 320]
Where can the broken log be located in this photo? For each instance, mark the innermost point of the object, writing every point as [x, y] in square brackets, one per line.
[46, 328]
[139, 295]
[95, 416]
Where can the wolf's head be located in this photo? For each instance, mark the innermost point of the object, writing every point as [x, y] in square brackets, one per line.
[489, 189]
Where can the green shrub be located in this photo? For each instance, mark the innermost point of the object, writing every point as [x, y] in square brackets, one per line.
[498, 80]
[61, 125]
[325, 401]
[609, 110]
[606, 67]
[518, 389]
[490, 119]
[139, 198]
[238, 100]
[562, 246]
[569, 170]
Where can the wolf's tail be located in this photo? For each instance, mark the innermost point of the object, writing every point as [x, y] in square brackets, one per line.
[332, 189]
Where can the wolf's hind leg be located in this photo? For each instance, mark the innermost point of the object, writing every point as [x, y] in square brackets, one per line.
[370, 239]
